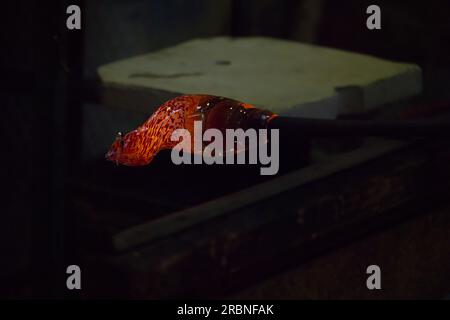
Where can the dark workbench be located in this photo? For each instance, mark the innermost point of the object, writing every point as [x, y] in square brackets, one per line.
[308, 233]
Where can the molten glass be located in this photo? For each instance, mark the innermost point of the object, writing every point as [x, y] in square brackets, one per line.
[140, 146]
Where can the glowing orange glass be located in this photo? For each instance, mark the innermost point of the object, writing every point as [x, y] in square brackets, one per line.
[140, 146]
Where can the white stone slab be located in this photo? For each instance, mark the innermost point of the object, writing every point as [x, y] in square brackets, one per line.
[286, 77]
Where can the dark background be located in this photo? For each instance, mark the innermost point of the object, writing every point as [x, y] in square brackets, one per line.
[48, 73]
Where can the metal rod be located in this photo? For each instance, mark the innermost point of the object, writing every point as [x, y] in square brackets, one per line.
[360, 128]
